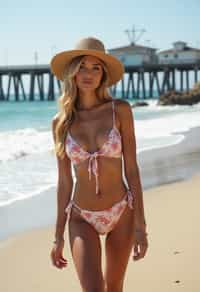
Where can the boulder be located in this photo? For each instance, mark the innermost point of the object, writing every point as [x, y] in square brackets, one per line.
[181, 98]
[140, 103]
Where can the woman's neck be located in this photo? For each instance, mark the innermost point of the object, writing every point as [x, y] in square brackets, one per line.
[88, 101]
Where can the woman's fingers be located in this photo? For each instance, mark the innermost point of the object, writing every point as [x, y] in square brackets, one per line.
[143, 249]
[136, 251]
[139, 251]
[63, 261]
[58, 260]
[60, 264]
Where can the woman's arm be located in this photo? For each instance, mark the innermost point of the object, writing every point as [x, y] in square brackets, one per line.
[64, 189]
[130, 161]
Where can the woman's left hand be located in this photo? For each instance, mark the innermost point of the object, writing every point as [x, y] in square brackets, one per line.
[140, 244]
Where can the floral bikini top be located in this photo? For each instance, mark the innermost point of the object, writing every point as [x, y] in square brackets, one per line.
[112, 147]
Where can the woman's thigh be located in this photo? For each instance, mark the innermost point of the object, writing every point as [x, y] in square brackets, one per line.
[119, 244]
[86, 252]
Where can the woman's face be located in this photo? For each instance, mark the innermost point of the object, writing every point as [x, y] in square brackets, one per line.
[90, 73]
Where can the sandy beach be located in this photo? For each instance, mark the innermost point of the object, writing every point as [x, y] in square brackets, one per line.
[171, 263]
[120, 69]
[171, 183]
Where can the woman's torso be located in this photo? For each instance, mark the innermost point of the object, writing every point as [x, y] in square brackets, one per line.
[97, 130]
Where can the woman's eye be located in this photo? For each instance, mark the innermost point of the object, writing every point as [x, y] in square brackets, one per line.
[96, 68]
[83, 68]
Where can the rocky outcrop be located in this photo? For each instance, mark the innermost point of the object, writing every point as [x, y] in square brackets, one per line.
[140, 103]
[181, 98]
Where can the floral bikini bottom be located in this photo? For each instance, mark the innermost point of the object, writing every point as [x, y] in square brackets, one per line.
[103, 221]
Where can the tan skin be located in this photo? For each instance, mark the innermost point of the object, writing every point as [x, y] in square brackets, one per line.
[90, 129]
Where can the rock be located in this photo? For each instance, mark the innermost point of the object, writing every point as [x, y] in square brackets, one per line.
[181, 98]
[140, 103]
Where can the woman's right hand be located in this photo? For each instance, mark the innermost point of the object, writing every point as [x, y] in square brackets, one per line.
[57, 255]
[140, 244]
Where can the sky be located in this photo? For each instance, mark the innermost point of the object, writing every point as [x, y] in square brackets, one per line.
[33, 31]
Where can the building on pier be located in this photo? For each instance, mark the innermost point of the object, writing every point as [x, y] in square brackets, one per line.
[135, 55]
[180, 53]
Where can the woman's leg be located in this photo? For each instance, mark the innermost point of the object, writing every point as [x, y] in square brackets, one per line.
[119, 243]
[86, 251]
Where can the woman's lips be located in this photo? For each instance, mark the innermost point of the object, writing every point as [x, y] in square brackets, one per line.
[87, 81]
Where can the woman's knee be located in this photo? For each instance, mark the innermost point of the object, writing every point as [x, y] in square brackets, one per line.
[95, 286]
[116, 286]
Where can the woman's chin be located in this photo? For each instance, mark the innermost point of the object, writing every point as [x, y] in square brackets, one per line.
[87, 88]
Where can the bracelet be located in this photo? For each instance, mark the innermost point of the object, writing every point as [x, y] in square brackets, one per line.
[140, 231]
[58, 241]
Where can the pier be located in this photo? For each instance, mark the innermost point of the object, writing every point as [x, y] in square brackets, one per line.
[26, 82]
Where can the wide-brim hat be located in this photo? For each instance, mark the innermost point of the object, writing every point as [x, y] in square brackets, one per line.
[88, 46]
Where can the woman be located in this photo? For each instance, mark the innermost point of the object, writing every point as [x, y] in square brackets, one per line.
[93, 132]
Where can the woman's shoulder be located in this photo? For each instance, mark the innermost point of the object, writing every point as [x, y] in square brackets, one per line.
[54, 121]
[55, 118]
[122, 106]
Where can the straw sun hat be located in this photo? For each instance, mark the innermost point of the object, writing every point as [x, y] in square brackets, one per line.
[88, 46]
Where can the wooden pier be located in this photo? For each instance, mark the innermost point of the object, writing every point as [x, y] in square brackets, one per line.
[138, 82]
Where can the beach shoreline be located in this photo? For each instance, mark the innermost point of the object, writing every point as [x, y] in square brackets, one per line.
[177, 162]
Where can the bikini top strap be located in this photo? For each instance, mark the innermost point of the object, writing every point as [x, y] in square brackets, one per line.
[113, 108]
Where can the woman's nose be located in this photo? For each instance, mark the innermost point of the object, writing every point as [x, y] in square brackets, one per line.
[87, 71]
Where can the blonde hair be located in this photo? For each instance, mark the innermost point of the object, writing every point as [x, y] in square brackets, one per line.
[68, 100]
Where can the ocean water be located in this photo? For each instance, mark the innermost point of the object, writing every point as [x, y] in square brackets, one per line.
[27, 162]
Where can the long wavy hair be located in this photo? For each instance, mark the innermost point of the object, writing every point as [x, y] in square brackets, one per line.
[68, 100]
